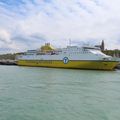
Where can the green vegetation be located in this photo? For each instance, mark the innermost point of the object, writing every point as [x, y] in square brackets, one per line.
[115, 53]
[10, 56]
[7, 56]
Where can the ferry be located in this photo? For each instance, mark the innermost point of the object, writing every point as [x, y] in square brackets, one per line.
[74, 57]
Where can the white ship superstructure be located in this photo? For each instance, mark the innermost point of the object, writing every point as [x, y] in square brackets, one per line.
[85, 57]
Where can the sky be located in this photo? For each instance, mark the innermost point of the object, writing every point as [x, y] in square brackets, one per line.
[28, 24]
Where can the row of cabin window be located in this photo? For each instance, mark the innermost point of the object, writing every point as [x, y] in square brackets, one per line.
[78, 52]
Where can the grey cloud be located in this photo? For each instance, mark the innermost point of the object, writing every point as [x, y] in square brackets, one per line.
[61, 20]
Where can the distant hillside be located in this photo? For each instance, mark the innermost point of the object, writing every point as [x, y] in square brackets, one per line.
[115, 53]
[8, 56]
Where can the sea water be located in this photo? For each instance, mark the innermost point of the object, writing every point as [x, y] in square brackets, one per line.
[35, 93]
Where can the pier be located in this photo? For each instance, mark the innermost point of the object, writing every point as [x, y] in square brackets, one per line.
[8, 62]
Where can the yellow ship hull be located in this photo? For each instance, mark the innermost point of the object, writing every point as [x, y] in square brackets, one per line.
[75, 64]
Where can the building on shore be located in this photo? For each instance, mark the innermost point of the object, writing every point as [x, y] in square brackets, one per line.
[114, 53]
[101, 46]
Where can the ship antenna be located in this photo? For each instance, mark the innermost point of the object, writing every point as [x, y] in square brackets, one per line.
[69, 42]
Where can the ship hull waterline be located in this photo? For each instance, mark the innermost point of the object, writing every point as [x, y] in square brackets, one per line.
[72, 64]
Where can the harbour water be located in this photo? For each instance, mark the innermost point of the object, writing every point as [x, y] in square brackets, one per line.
[34, 93]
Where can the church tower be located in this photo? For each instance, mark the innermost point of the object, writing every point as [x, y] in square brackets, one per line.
[102, 46]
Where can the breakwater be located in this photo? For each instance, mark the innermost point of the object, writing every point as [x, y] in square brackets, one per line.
[8, 62]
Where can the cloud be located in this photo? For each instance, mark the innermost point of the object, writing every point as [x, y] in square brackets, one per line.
[27, 24]
[4, 36]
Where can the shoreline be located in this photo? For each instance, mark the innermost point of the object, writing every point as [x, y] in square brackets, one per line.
[8, 62]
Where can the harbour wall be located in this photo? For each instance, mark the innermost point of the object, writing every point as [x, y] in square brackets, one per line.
[8, 62]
